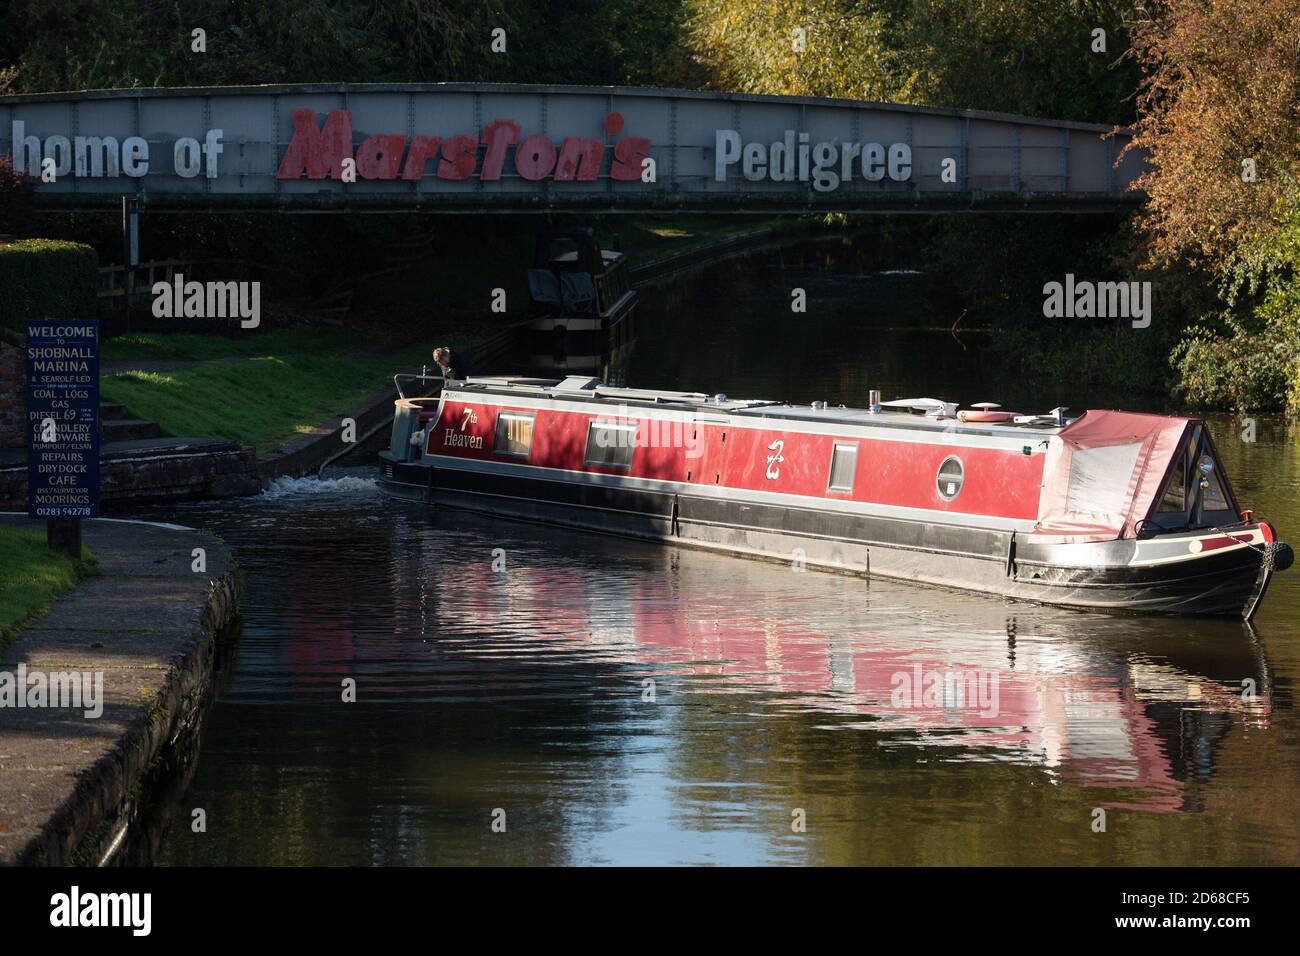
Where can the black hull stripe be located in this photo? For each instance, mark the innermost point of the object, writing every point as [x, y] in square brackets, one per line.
[920, 536]
[1225, 583]
[924, 537]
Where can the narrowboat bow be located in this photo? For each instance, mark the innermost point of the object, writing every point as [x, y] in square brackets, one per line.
[1104, 510]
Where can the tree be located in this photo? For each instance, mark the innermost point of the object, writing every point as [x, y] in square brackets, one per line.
[1014, 56]
[797, 47]
[1023, 56]
[1220, 103]
[17, 195]
[87, 44]
[1220, 118]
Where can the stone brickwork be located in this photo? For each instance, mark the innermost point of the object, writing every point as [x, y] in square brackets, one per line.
[222, 474]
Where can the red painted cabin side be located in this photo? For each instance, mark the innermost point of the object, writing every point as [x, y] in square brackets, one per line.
[766, 456]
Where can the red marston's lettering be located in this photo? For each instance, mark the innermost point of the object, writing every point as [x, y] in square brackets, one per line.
[317, 152]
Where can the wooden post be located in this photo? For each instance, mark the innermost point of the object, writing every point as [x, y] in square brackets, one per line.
[63, 535]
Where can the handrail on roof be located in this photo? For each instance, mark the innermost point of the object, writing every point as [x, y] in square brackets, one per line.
[412, 376]
[645, 394]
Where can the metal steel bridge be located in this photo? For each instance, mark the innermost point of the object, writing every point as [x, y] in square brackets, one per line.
[459, 147]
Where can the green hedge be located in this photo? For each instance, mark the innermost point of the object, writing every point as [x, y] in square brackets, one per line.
[47, 279]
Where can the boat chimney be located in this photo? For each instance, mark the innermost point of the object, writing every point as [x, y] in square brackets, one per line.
[873, 401]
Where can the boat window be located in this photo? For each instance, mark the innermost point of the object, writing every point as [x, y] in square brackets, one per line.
[950, 478]
[1174, 500]
[610, 445]
[1207, 485]
[1099, 479]
[844, 463]
[1212, 496]
[514, 434]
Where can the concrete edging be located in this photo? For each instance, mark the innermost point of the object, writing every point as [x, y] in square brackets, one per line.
[73, 788]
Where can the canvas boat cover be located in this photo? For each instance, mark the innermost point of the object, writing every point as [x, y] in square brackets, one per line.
[1104, 471]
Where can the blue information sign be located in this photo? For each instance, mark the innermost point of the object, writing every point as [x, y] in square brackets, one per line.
[62, 419]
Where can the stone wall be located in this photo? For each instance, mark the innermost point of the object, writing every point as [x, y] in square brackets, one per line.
[13, 395]
[84, 792]
[218, 474]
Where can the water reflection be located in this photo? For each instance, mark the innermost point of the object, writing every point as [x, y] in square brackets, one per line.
[1116, 702]
[527, 689]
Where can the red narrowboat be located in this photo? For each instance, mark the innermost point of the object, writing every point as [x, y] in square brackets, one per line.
[1102, 510]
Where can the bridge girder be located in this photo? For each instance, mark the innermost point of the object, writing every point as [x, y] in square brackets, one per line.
[552, 149]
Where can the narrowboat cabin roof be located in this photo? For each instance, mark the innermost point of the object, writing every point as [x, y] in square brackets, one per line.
[917, 413]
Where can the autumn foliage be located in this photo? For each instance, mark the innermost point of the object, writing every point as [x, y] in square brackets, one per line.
[1017, 56]
[1219, 113]
[1220, 94]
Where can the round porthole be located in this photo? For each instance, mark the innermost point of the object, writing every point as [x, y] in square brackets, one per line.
[949, 480]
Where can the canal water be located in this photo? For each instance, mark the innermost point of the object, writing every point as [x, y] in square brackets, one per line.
[532, 695]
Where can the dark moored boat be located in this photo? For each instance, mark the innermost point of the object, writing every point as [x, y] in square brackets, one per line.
[583, 305]
[1104, 510]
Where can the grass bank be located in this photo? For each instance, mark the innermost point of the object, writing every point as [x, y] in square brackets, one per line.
[261, 390]
[32, 578]
[264, 387]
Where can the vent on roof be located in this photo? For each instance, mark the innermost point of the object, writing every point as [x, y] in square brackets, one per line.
[931, 407]
[578, 383]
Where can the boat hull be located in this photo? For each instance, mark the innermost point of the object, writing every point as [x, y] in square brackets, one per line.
[1158, 577]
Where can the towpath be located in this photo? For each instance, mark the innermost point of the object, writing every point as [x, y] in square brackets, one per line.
[145, 629]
